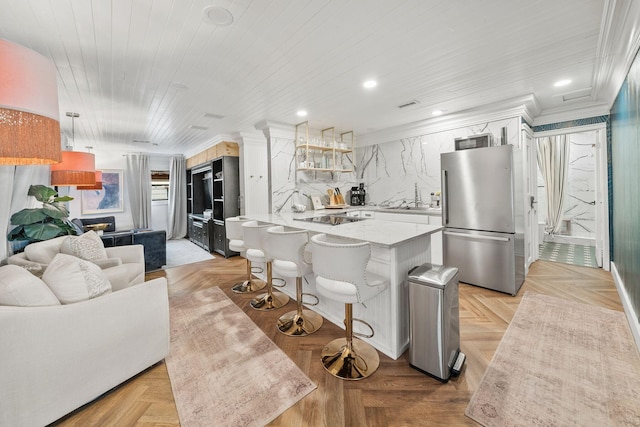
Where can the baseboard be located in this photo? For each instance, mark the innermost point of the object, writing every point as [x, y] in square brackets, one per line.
[626, 304]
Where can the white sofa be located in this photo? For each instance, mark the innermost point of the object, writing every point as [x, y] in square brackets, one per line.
[124, 265]
[54, 359]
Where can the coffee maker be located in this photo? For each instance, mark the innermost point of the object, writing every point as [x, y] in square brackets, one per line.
[358, 195]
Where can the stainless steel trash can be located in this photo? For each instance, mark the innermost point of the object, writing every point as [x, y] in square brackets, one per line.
[434, 343]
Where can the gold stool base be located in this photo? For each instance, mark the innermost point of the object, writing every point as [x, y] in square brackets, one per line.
[265, 302]
[359, 363]
[248, 287]
[295, 325]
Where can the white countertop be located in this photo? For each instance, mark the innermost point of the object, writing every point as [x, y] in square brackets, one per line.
[378, 232]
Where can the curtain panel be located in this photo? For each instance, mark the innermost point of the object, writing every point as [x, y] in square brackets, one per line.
[177, 223]
[139, 186]
[553, 160]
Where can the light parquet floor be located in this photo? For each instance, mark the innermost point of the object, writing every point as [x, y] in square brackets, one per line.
[396, 395]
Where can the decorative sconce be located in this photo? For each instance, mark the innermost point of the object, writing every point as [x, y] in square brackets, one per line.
[29, 115]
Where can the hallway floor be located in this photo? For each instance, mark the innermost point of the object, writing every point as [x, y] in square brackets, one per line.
[568, 254]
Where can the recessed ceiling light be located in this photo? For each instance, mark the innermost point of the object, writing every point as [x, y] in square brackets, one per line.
[561, 83]
[370, 84]
[218, 15]
[302, 113]
[436, 113]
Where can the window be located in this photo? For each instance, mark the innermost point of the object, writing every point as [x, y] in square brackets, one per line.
[159, 185]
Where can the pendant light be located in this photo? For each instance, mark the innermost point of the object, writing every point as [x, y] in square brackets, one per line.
[29, 115]
[98, 184]
[76, 168]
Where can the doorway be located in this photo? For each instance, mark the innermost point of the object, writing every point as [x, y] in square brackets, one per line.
[581, 237]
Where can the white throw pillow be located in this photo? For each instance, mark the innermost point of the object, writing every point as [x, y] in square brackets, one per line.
[87, 246]
[43, 252]
[20, 288]
[72, 279]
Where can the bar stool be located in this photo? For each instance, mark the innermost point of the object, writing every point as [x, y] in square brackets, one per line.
[255, 241]
[288, 251]
[341, 275]
[233, 227]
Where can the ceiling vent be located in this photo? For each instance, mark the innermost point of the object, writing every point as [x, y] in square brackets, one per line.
[576, 94]
[141, 141]
[198, 127]
[213, 116]
[409, 104]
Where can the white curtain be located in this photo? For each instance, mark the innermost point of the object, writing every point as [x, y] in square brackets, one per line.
[177, 224]
[16, 181]
[139, 186]
[553, 160]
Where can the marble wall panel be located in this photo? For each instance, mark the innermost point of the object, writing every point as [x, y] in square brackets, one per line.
[579, 206]
[390, 170]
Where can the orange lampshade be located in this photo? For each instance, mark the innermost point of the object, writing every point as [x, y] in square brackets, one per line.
[29, 115]
[76, 168]
[96, 186]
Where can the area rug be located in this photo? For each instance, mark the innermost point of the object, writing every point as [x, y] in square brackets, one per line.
[561, 363]
[224, 370]
[183, 251]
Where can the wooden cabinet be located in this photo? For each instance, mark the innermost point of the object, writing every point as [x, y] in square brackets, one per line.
[215, 187]
[323, 153]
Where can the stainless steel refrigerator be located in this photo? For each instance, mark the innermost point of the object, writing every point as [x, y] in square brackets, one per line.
[483, 216]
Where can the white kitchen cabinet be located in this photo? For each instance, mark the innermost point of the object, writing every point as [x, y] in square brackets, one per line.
[436, 240]
[361, 214]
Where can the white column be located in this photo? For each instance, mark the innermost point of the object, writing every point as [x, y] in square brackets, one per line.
[254, 178]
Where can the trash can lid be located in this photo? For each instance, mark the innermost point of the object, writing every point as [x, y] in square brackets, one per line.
[433, 275]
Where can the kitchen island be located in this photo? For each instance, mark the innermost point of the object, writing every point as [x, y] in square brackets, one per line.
[396, 247]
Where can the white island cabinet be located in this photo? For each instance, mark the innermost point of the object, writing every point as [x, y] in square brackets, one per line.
[396, 248]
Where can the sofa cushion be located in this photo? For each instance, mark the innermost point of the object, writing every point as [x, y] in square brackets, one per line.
[87, 246]
[18, 287]
[43, 252]
[72, 279]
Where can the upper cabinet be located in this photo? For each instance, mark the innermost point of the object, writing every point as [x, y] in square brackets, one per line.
[323, 153]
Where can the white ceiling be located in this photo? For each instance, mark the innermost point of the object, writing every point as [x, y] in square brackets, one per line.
[148, 70]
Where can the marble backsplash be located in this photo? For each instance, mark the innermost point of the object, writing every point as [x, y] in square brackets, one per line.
[390, 171]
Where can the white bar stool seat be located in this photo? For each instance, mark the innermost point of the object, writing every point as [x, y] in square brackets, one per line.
[255, 241]
[341, 275]
[287, 247]
[233, 227]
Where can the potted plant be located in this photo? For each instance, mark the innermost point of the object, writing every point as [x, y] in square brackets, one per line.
[43, 223]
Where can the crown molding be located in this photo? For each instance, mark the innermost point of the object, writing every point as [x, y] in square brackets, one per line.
[192, 151]
[566, 114]
[272, 129]
[618, 43]
[250, 138]
[526, 106]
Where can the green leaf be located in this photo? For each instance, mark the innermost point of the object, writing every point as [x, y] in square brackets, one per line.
[28, 216]
[63, 199]
[55, 210]
[17, 234]
[42, 193]
[42, 231]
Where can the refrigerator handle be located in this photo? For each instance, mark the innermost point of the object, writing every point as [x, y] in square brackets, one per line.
[445, 194]
[477, 236]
